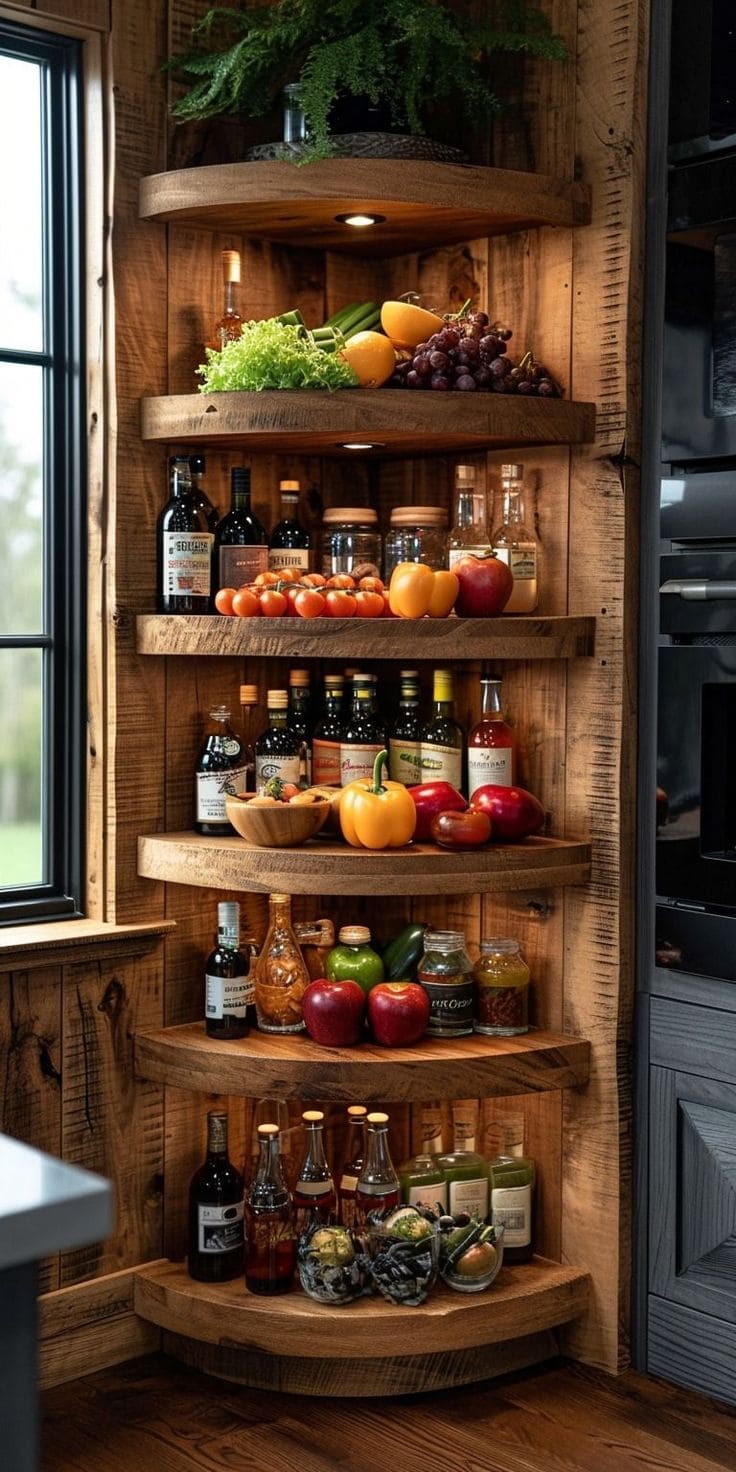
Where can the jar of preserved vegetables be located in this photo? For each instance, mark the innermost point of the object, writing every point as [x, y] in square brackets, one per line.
[446, 973]
[501, 978]
[351, 541]
[417, 534]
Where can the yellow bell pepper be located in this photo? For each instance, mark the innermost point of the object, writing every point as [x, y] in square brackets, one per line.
[375, 814]
[416, 590]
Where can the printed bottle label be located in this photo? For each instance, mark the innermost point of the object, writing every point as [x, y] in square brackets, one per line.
[489, 764]
[219, 1228]
[470, 1196]
[240, 565]
[521, 560]
[450, 1006]
[313, 1188]
[228, 996]
[405, 761]
[187, 566]
[279, 557]
[326, 763]
[285, 767]
[431, 1196]
[357, 761]
[512, 1209]
[441, 764]
[211, 789]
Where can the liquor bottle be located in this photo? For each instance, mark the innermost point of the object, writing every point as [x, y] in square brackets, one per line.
[515, 545]
[512, 1203]
[184, 547]
[363, 733]
[403, 744]
[328, 735]
[299, 721]
[241, 542]
[378, 1183]
[249, 701]
[469, 531]
[230, 324]
[220, 772]
[467, 1175]
[289, 542]
[491, 743]
[270, 1254]
[197, 467]
[277, 749]
[314, 1195]
[422, 1178]
[353, 1162]
[281, 973]
[441, 740]
[216, 1211]
[229, 982]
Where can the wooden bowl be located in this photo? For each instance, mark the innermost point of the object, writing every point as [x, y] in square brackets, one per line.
[284, 825]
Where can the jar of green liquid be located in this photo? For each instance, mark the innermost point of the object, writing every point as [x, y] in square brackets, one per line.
[512, 1199]
[422, 1178]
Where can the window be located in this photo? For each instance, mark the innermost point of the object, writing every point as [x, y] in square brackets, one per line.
[42, 544]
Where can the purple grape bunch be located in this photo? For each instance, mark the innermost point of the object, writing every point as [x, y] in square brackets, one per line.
[469, 354]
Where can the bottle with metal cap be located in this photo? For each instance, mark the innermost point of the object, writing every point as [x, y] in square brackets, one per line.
[220, 773]
[404, 746]
[364, 733]
[270, 1257]
[197, 468]
[229, 982]
[277, 750]
[241, 541]
[442, 739]
[378, 1184]
[328, 734]
[230, 324]
[515, 545]
[249, 701]
[314, 1196]
[215, 1251]
[184, 541]
[299, 721]
[289, 545]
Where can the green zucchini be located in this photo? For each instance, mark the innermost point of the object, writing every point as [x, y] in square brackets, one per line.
[402, 953]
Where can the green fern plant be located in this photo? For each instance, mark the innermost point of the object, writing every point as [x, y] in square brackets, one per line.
[406, 53]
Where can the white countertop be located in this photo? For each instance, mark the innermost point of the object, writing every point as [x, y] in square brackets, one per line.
[47, 1206]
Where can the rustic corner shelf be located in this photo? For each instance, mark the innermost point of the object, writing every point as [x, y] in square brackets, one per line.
[425, 204]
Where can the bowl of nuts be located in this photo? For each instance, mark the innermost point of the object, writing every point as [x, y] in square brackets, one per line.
[269, 821]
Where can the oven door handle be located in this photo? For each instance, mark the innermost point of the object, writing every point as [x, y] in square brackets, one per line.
[699, 590]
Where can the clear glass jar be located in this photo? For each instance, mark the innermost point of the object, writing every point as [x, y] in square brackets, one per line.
[501, 978]
[445, 972]
[295, 127]
[417, 534]
[351, 541]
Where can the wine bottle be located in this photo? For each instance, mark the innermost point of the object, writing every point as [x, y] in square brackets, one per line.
[230, 324]
[441, 741]
[197, 467]
[328, 735]
[289, 542]
[404, 744]
[491, 743]
[363, 733]
[241, 541]
[229, 984]
[299, 721]
[216, 1211]
[220, 773]
[277, 749]
[184, 547]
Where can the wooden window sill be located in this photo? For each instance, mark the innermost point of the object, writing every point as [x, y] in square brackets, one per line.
[61, 939]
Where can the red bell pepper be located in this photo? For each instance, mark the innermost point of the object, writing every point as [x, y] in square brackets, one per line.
[431, 798]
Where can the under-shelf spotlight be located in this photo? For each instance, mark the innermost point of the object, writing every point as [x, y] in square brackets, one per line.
[360, 221]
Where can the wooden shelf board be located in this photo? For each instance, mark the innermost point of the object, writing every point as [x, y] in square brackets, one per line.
[264, 1064]
[425, 204]
[524, 1299]
[390, 420]
[324, 867]
[528, 637]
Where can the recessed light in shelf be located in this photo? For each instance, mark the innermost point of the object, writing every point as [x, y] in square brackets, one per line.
[360, 221]
[362, 444]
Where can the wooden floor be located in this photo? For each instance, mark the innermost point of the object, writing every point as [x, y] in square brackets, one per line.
[151, 1416]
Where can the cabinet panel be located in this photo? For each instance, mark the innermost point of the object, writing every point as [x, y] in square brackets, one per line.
[698, 1040]
[692, 1349]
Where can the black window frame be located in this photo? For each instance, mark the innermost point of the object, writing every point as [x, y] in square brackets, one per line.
[63, 640]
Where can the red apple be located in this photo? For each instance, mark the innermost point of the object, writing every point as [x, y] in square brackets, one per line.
[485, 585]
[334, 1012]
[398, 1012]
[514, 812]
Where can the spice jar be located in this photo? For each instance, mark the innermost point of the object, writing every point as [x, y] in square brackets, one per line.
[501, 978]
[281, 975]
[417, 534]
[445, 972]
[351, 541]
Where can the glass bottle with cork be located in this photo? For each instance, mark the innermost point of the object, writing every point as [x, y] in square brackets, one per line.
[422, 1178]
[441, 738]
[197, 468]
[491, 743]
[270, 1257]
[184, 547]
[404, 745]
[501, 978]
[220, 772]
[469, 531]
[277, 750]
[352, 1163]
[363, 733]
[215, 1232]
[289, 543]
[512, 1181]
[249, 701]
[230, 324]
[378, 1184]
[314, 1196]
[299, 721]
[229, 980]
[241, 541]
[515, 545]
[445, 970]
[281, 975]
[466, 1171]
[328, 735]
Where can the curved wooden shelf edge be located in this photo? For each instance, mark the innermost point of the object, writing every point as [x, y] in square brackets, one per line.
[260, 1064]
[511, 637]
[324, 867]
[523, 1300]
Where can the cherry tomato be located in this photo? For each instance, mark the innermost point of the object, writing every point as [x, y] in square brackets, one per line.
[273, 604]
[315, 580]
[340, 603]
[224, 600]
[341, 580]
[309, 603]
[369, 605]
[245, 603]
[288, 574]
[289, 790]
[460, 830]
[290, 594]
[371, 585]
[266, 579]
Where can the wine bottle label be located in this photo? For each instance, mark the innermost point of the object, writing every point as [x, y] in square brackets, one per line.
[357, 761]
[489, 764]
[228, 996]
[219, 1228]
[285, 767]
[405, 761]
[240, 565]
[326, 763]
[211, 789]
[187, 564]
[431, 1196]
[521, 560]
[511, 1207]
[441, 764]
[289, 557]
[470, 1196]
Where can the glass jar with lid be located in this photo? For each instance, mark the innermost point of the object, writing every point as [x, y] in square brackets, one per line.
[501, 978]
[417, 534]
[446, 973]
[351, 541]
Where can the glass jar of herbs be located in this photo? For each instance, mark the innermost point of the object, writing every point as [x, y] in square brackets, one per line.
[501, 978]
[446, 973]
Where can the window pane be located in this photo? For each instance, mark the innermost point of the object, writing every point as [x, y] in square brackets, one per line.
[21, 701]
[21, 292]
[21, 499]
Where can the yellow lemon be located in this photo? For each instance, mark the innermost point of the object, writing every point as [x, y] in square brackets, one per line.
[371, 357]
